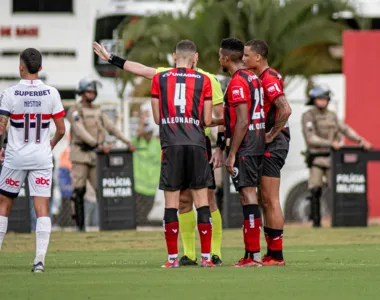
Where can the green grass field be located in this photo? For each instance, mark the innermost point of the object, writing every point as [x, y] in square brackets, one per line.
[322, 264]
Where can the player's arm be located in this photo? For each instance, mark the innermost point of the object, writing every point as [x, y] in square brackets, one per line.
[274, 93]
[155, 92]
[207, 116]
[241, 128]
[284, 112]
[3, 124]
[116, 132]
[217, 156]
[353, 135]
[208, 101]
[310, 134]
[5, 112]
[59, 132]
[129, 66]
[58, 114]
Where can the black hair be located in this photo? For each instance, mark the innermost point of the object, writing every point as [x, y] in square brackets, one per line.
[259, 46]
[32, 59]
[233, 48]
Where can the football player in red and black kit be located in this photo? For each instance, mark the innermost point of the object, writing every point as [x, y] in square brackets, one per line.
[245, 141]
[182, 106]
[277, 137]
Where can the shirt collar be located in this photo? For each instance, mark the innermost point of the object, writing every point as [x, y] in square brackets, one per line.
[30, 82]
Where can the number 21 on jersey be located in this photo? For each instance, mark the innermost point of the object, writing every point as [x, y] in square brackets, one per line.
[259, 98]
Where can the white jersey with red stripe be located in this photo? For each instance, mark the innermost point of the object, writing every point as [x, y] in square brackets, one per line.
[30, 105]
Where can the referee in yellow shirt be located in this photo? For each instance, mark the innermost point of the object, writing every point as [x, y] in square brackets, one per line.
[187, 220]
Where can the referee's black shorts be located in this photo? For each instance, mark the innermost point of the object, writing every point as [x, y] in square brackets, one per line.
[209, 154]
[184, 167]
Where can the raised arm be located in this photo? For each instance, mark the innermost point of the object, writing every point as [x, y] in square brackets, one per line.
[129, 66]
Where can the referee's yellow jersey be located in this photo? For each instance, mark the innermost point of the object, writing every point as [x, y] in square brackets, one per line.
[217, 94]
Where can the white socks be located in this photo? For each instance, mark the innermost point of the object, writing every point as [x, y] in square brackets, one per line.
[43, 229]
[3, 228]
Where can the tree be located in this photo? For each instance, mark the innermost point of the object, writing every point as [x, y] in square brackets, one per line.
[299, 32]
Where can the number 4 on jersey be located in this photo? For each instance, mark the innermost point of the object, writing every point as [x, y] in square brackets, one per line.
[180, 96]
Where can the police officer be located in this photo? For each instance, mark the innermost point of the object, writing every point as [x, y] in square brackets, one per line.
[88, 132]
[322, 131]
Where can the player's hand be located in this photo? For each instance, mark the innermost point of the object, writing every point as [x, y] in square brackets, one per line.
[107, 148]
[269, 137]
[217, 158]
[336, 145]
[101, 51]
[131, 147]
[52, 145]
[230, 162]
[365, 144]
[2, 155]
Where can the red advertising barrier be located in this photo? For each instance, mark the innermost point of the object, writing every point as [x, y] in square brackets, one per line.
[361, 67]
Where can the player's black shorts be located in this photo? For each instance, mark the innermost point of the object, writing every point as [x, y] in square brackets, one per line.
[248, 171]
[184, 167]
[273, 163]
[209, 154]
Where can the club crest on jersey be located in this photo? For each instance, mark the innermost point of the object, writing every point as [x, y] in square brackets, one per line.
[237, 93]
[273, 89]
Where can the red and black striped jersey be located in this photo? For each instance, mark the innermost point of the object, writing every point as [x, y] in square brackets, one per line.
[273, 85]
[245, 88]
[181, 93]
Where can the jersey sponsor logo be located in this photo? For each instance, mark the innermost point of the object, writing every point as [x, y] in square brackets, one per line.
[273, 89]
[192, 75]
[180, 120]
[237, 93]
[32, 93]
[42, 181]
[11, 182]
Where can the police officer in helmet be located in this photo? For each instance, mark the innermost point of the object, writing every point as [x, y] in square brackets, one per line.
[88, 132]
[322, 131]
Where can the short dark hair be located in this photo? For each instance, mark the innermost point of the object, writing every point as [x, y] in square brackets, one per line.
[32, 59]
[259, 46]
[186, 46]
[234, 48]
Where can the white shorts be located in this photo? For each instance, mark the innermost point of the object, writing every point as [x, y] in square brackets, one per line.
[39, 182]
